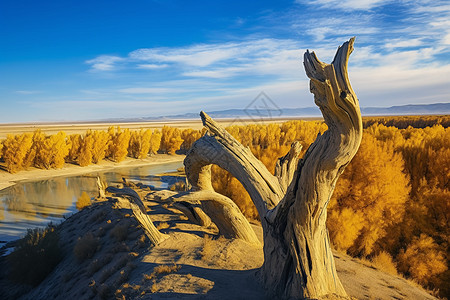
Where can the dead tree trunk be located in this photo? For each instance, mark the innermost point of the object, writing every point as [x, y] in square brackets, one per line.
[206, 206]
[101, 186]
[292, 205]
[140, 213]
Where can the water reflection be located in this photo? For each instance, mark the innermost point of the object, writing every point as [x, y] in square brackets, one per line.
[33, 204]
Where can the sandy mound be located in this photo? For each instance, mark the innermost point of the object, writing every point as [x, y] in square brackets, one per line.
[194, 263]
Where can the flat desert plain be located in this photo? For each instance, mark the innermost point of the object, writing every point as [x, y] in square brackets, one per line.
[82, 127]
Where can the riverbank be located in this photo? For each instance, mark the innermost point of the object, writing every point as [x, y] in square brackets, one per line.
[8, 179]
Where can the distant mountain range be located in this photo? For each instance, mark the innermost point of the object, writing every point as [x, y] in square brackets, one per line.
[305, 112]
[411, 109]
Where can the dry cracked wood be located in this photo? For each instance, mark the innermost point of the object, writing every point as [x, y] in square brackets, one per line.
[101, 186]
[206, 206]
[292, 204]
[140, 213]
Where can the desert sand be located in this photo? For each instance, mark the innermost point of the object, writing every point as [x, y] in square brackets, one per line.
[82, 127]
[193, 263]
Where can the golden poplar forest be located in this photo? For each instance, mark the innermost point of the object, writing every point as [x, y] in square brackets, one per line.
[391, 205]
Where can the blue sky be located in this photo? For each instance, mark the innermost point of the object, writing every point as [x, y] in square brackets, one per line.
[86, 60]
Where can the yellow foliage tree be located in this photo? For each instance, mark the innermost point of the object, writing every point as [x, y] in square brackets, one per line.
[423, 260]
[86, 145]
[345, 227]
[140, 143]
[428, 212]
[74, 143]
[166, 133]
[135, 144]
[174, 144]
[189, 136]
[269, 156]
[170, 140]
[384, 262]
[17, 151]
[1, 149]
[51, 151]
[404, 122]
[372, 190]
[427, 156]
[303, 131]
[118, 147]
[100, 145]
[61, 149]
[83, 201]
[41, 148]
[155, 141]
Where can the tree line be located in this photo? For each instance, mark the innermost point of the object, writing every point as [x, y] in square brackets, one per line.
[21, 151]
[403, 122]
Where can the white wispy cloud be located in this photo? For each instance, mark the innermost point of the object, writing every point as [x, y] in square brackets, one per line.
[346, 4]
[398, 67]
[152, 66]
[220, 60]
[104, 62]
[217, 73]
[28, 92]
[446, 39]
[145, 90]
[197, 56]
[430, 6]
[430, 20]
[403, 43]
[393, 85]
[333, 28]
[205, 55]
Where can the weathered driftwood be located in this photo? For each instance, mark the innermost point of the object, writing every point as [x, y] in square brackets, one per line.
[101, 188]
[206, 206]
[287, 165]
[140, 213]
[193, 210]
[298, 262]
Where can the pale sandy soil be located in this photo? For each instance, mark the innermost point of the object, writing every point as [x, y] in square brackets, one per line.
[203, 265]
[71, 128]
[8, 179]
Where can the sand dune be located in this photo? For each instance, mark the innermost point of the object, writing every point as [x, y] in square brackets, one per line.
[194, 263]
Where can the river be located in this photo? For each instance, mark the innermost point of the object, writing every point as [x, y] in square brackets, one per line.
[36, 203]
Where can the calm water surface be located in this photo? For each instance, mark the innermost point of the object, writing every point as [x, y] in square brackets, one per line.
[36, 203]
